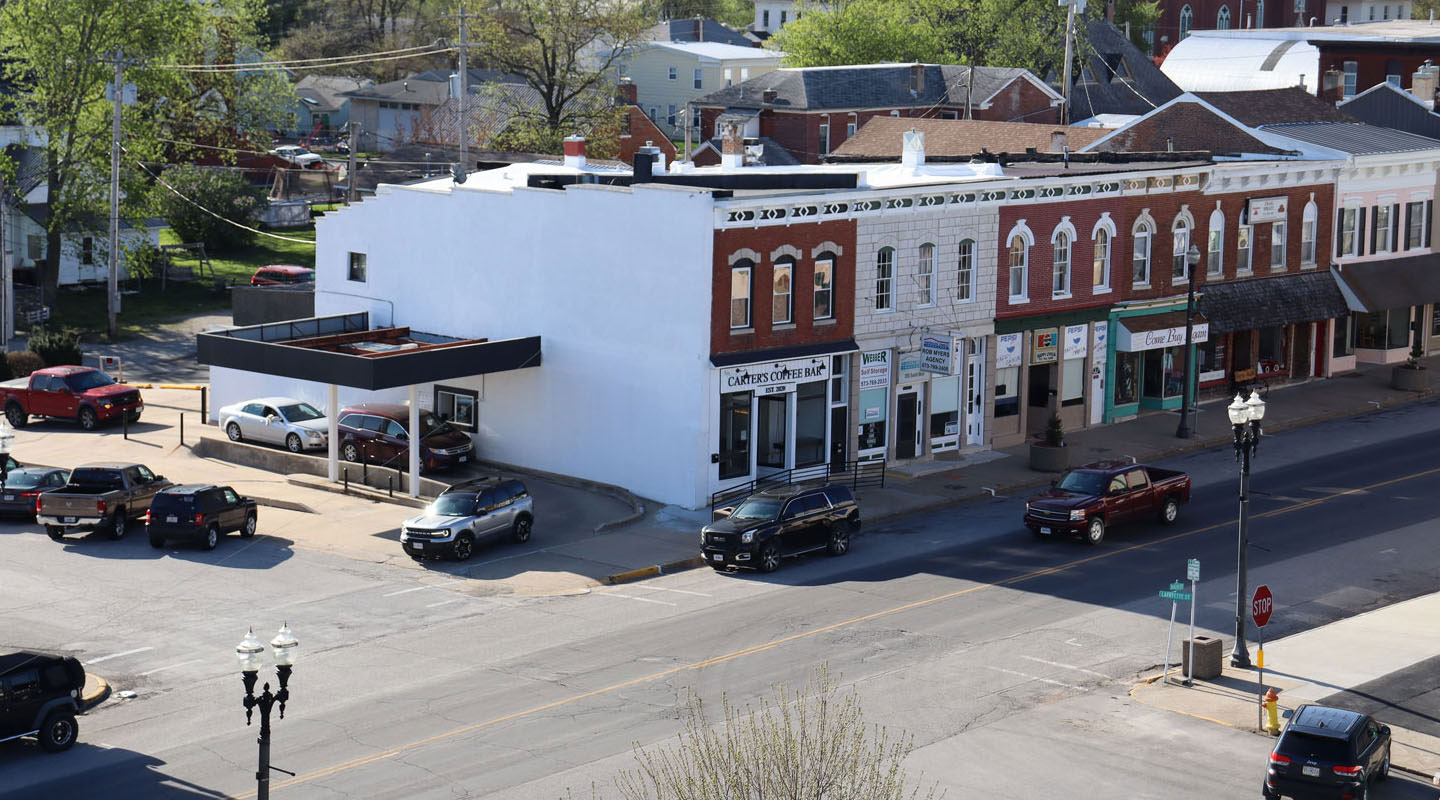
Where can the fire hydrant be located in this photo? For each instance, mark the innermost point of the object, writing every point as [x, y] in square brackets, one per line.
[1272, 712]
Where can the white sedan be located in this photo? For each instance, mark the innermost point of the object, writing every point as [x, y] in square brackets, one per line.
[276, 420]
[298, 155]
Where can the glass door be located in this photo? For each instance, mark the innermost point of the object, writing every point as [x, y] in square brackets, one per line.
[975, 392]
[770, 432]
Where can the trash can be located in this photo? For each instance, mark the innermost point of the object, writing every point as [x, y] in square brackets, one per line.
[1208, 654]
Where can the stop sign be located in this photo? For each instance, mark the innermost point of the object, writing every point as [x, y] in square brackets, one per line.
[1261, 605]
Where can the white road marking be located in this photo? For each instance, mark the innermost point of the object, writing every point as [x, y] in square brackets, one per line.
[407, 591]
[677, 591]
[162, 669]
[1066, 666]
[1036, 678]
[117, 655]
[445, 602]
[1071, 641]
[632, 597]
[1388, 551]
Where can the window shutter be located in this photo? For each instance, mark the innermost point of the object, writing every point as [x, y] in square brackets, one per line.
[1408, 215]
[1339, 225]
[1360, 231]
[1429, 222]
[1395, 229]
[1374, 228]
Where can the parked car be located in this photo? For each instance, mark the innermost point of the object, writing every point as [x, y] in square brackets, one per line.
[1327, 752]
[298, 155]
[84, 394]
[282, 275]
[99, 496]
[375, 432]
[786, 521]
[469, 513]
[198, 512]
[1089, 499]
[40, 697]
[23, 484]
[276, 420]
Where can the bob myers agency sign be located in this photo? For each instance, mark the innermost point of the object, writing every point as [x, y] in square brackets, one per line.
[937, 354]
[775, 377]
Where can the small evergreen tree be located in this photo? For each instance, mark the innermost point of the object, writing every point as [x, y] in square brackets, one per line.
[1055, 431]
[56, 347]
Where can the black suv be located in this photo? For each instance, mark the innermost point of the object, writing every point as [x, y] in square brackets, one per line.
[775, 523]
[40, 696]
[198, 512]
[1328, 753]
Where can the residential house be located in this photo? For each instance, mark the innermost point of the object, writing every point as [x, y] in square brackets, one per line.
[670, 76]
[880, 139]
[390, 114]
[697, 29]
[323, 106]
[772, 15]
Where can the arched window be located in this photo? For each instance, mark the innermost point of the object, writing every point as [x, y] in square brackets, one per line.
[740, 276]
[1141, 237]
[1060, 273]
[1020, 242]
[1222, 20]
[885, 279]
[965, 272]
[782, 303]
[1100, 280]
[1187, 17]
[1214, 260]
[925, 275]
[824, 295]
[1307, 233]
[1180, 237]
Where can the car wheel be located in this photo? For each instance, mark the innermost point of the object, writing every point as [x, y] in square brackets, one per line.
[119, 523]
[59, 731]
[1364, 793]
[233, 431]
[350, 452]
[212, 537]
[157, 542]
[134, 416]
[463, 548]
[839, 543]
[1384, 771]
[770, 557]
[88, 419]
[521, 531]
[1170, 511]
[55, 532]
[1095, 531]
[293, 443]
[1267, 794]
[17, 416]
[249, 529]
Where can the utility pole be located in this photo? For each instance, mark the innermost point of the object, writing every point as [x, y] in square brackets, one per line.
[7, 280]
[689, 124]
[350, 194]
[463, 100]
[117, 94]
[1075, 5]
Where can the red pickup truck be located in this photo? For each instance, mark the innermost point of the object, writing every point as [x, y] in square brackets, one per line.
[84, 394]
[1087, 500]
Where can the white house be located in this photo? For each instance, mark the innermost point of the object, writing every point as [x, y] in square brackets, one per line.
[670, 75]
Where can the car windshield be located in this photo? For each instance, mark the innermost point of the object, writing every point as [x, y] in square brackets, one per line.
[82, 381]
[758, 508]
[97, 478]
[453, 505]
[23, 480]
[1083, 482]
[300, 412]
[432, 424]
[1303, 746]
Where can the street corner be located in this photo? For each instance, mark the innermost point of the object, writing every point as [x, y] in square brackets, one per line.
[1232, 698]
[95, 692]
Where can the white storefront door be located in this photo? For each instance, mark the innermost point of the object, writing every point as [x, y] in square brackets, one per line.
[975, 392]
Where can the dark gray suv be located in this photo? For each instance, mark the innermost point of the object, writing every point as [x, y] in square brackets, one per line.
[1327, 752]
[468, 513]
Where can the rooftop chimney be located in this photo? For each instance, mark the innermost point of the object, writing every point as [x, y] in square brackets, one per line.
[1424, 82]
[917, 78]
[628, 91]
[657, 156]
[1169, 144]
[732, 145]
[913, 154]
[575, 151]
[699, 29]
[768, 96]
[1057, 141]
[643, 169]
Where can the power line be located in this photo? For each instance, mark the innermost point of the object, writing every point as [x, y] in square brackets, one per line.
[192, 202]
[436, 46]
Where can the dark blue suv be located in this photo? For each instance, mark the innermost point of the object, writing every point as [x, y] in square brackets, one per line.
[1328, 752]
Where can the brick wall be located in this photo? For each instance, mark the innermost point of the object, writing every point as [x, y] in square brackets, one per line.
[1373, 64]
[1184, 126]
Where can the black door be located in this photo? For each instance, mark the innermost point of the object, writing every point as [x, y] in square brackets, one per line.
[905, 427]
[839, 436]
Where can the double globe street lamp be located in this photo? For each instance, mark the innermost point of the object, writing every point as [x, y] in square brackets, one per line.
[1245, 416]
[250, 653]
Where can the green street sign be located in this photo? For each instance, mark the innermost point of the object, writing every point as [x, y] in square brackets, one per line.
[1173, 595]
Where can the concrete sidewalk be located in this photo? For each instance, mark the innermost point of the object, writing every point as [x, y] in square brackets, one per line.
[1316, 664]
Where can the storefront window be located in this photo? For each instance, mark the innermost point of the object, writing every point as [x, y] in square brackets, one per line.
[1072, 382]
[1127, 373]
[1007, 392]
[770, 420]
[1435, 320]
[810, 423]
[874, 408]
[1274, 349]
[1163, 372]
[1383, 330]
[1344, 339]
[1210, 359]
[944, 406]
[1243, 356]
[735, 435]
[839, 381]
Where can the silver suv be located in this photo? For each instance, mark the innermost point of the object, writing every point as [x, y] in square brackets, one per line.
[466, 513]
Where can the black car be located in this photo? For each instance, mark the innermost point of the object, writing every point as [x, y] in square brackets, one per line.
[200, 512]
[775, 523]
[40, 696]
[24, 484]
[1328, 752]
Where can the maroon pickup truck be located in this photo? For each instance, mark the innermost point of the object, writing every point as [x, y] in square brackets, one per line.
[1090, 498]
[84, 394]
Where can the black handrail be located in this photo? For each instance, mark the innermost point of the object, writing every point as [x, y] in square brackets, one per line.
[855, 474]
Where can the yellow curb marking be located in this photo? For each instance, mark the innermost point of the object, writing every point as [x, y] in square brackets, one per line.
[760, 648]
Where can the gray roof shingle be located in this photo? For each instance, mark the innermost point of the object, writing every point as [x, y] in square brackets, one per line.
[1118, 79]
[1355, 138]
[1252, 303]
[869, 86]
[696, 29]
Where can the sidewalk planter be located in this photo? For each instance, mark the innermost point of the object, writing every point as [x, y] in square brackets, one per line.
[1049, 458]
[1208, 654]
[1409, 379]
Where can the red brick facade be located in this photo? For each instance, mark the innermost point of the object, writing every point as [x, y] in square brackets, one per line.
[759, 245]
[1374, 62]
[638, 130]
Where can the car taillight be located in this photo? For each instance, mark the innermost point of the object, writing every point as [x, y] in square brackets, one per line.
[1278, 758]
[32, 493]
[100, 506]
[1349, 772]
[37, 504]
[199, 519]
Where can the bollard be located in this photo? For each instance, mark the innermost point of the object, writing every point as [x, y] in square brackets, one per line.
[203, 416]
[390, 485]
[125, 426]
[182, 428]
[345, 476]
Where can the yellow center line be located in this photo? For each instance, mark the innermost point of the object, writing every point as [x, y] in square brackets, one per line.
[770, 645]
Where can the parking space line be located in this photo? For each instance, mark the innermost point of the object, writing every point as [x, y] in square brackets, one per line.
[1067, 666]
[677, 591]
[162, 669]
[407, 591]
[1037, 678]
[445, 602]
[632, 597]
[117, 655]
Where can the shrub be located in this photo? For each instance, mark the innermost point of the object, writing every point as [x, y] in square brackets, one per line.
[1055, 431]
[223, 191]
[56, 347]
[23, 362]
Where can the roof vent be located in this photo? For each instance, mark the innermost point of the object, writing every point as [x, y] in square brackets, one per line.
[769, 96]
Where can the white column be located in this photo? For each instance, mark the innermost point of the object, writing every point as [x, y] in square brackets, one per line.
[332, 414]
[792, 403]
[414, 444]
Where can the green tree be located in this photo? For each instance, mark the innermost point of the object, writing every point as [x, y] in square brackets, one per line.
[224, 192]
[1142, 16]
[736, 13]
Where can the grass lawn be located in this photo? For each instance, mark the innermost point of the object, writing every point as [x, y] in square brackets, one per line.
[85, 309]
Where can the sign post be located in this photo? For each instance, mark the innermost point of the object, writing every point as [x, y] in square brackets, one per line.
[1261, 604]
[1174, 594]
[1192, 573]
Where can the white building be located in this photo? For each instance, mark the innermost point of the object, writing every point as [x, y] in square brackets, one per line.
[668, 76]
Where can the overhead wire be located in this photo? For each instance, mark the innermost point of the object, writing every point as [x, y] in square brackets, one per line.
[315, 63]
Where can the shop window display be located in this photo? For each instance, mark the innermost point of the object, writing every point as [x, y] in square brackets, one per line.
[1127, 378]
[1007, 392]
[1274, 350]
[1383, 330]
[1344, 338]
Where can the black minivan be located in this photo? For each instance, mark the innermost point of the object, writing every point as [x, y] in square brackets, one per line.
[199, 512]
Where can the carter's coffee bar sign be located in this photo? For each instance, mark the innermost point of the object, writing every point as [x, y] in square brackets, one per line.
[775, 377]
[1136, 341]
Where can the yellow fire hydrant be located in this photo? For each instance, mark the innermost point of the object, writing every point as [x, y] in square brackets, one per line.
[1272, 712]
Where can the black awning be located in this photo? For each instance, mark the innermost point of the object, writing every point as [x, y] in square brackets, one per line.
[1396, 283]
[1253, 303]
[780, 353]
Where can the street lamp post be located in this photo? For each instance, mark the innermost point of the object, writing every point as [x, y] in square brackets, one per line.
[7, 445]
[1245, 416]
[249, 653]
[1192, 260]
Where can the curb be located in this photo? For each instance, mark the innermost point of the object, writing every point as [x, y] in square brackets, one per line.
[101, 693]
[637, 506]
[355, 491]
[288, 505]
[651, 571]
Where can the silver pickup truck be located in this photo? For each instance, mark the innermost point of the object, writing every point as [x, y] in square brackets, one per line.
[103, 496]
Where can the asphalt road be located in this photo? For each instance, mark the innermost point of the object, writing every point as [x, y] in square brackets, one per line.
[1007, 658]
